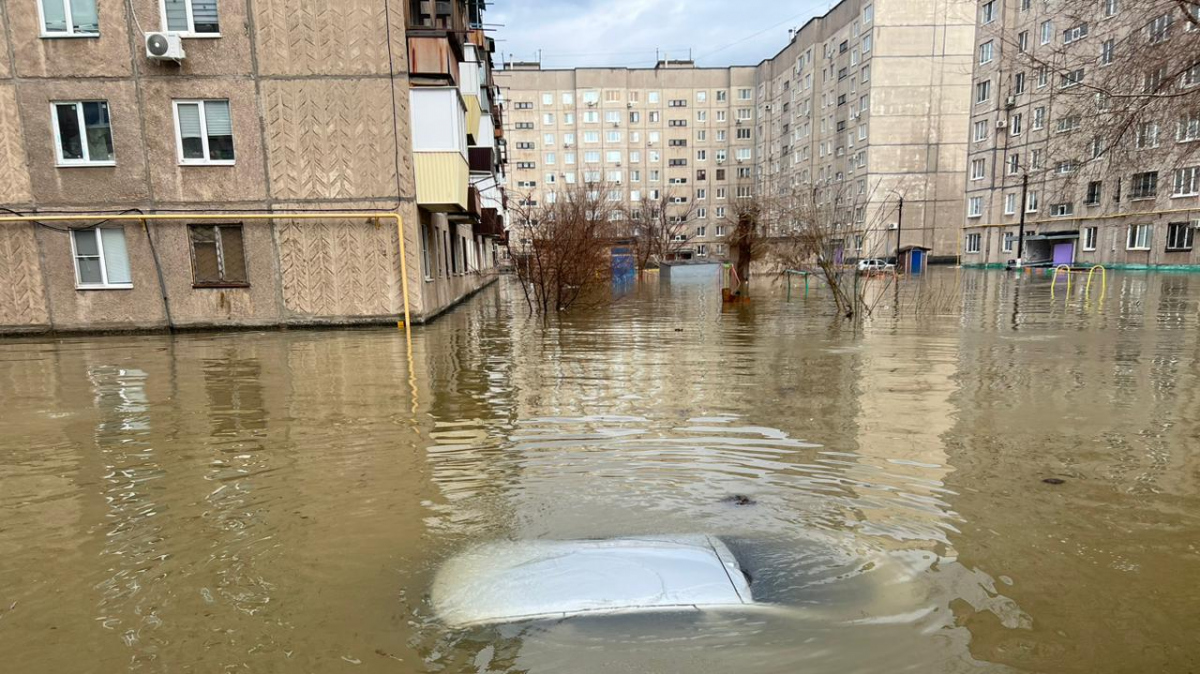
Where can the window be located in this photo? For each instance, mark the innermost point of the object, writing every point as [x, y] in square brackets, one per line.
[701, 193]
[1039, 117]
[547, 99]
[743, 94]
[722, 96]
[522, 105]
[652, 97]
[548, 119]
[868, 14]
[974, 242]
[743, 134]
[1190, 77]
[1010, 203]
[720, 118]
[1147, 135]
[205, 132]
[1089, 238]
[985, 51]
[1068, 124]
[743, 154]
[1179, 236]
[702, 115]
[1188, 129]
[218, 256]
[988, 13]
[983, 91]
[1066, 167]
[1018, 84]
[591, 157]
[1035, 159]
[1145, 185]
[1010, 241]
[974, 207]
[83, 134]
[191, 17]
[591, 136]
[1106, 52]
[1139, 238]
[1159, 28]
[1014, 164]
[1031, 201]
[701, 231]
[1047, 32]
[1014, 125]
[1061, 210]
[61, 18]
[1043, 76]
[1187, 181]
[677, 122]
[568, 157]
[1111, 7]
[654, 116]
[981, 130]
[676, 162]
[549, 159]
[866, 44]
[568, 98]
[701, 96]
[591, 97]
[978, 168]
[1023, 41]
[612, 117]
[1075, 33]
[612, 136]
[101, 259]
[635, 156]
[590, 117]
[701, 155]
[612, 95]
[1094, 190]
[1071, 78]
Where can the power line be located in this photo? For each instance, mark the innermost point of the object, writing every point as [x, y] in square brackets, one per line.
[756, 34]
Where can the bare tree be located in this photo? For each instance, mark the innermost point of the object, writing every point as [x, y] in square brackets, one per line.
[1109, 79]
[561, 247]
[817, 226]
[750, 221]
[659, 226]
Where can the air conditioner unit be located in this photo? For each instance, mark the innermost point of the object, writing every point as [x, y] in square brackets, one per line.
[567, 145]
[591, 104]
[629, 104]
[1001, 123]
[1010, 102]
[164, 47]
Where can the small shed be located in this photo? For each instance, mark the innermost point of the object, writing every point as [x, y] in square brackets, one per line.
[912, 259]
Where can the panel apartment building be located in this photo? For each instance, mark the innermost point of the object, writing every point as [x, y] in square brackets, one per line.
[243, 107]
[865, 105]
[1093, 116]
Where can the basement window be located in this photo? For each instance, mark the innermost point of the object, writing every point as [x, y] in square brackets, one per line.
[205, 132]
[191, 18]
[69, 18]
[101, 259]
[218, 256]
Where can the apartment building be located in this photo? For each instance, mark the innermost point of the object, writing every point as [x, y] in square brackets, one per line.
[194, 107]
[1084, 129]
[865, 105]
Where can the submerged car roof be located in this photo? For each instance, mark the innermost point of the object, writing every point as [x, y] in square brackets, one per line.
[527, 580]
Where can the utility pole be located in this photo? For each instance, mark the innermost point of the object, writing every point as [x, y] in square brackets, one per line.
[899, 229]
[1021, 230]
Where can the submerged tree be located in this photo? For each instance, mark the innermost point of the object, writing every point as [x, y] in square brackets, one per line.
[659, 226]
[561, 247]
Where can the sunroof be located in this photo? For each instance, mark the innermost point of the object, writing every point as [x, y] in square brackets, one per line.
[528, 580]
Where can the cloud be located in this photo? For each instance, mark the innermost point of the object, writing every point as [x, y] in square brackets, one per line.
[577, 33]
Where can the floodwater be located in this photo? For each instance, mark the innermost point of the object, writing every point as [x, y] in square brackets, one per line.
[281, 501]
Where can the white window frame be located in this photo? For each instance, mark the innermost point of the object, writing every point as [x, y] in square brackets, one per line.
[1133, 238]
[974, 207]
[191, 31]
[104, 285]
[207, 161]
[973, 244]
[1089, 236]
[58, 150]
[70, 32]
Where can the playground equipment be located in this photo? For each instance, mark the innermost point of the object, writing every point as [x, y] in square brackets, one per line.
[794, 272]
[1066, 271]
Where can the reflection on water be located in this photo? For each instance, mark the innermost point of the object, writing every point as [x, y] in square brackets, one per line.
[271, 502]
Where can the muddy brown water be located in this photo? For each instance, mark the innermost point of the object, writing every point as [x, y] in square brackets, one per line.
[281, 501]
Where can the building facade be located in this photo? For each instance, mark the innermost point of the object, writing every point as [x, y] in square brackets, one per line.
[1084, 128]
[265, 107]
[865, 105]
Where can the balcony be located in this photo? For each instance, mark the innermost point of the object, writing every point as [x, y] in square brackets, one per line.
[440, 148]
[434, 57]
[491, 223]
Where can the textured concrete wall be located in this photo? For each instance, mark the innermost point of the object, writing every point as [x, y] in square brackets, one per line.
[319, 98]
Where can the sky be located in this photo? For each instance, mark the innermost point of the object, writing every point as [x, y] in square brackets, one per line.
[576, 33]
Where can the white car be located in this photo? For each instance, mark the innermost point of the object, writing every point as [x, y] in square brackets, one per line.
[874, 264]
